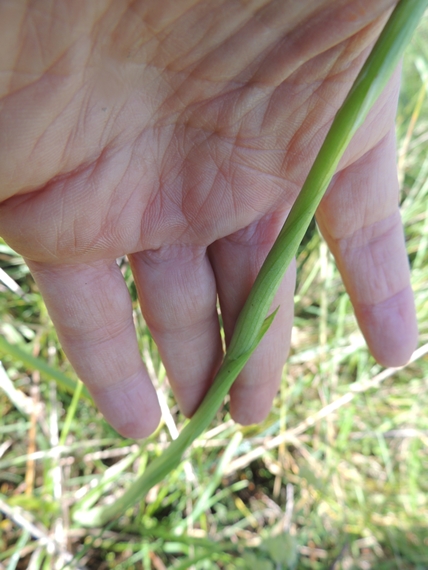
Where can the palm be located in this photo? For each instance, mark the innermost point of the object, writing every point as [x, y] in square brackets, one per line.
[182, 142]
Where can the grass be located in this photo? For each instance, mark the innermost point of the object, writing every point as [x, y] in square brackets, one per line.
[335, 478]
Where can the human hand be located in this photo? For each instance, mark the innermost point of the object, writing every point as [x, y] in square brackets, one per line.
[179, 133]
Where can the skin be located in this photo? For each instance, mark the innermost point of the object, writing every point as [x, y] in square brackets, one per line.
[179, 132]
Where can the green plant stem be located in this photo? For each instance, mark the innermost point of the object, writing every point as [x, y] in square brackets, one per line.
[252, 322]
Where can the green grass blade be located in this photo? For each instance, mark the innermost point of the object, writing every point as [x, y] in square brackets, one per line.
[34, 363]
[24, 538]
[204, 500]
[71, 412]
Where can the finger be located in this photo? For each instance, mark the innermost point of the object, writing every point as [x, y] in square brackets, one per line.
[92, 313]
[360, 219]
[236, 261]
[177, 293]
